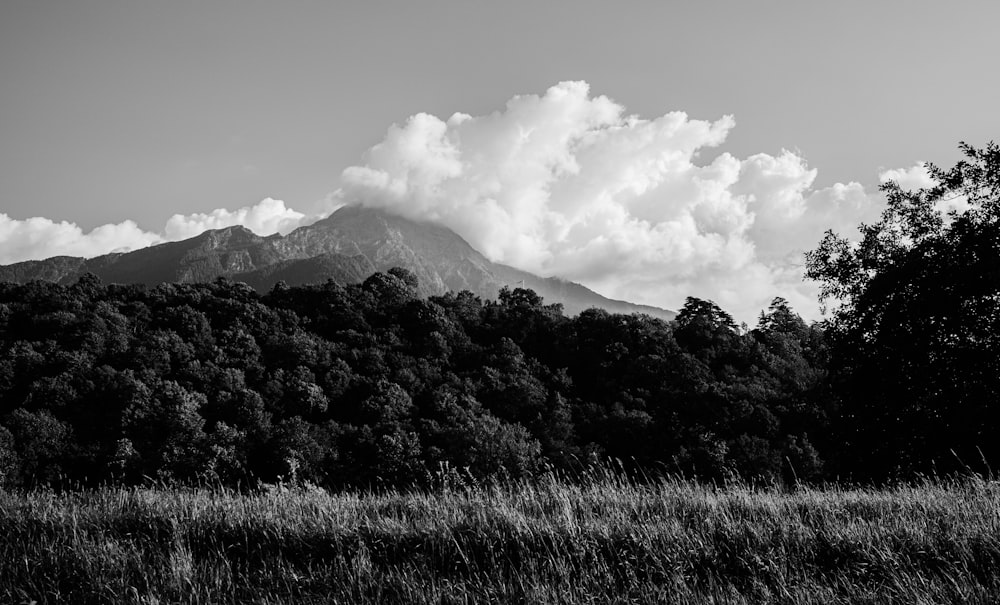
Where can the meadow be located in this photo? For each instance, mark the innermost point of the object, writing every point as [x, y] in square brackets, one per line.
[600, 538]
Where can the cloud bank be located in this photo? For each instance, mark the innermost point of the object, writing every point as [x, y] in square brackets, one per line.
[37, 238]
[569, 184]
[264, 218]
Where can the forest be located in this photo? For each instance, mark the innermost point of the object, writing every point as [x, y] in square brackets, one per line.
[368, 385]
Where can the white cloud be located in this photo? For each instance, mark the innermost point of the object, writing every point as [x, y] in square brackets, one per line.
[917, 177]
[37, 238]
[264, 218]
[568, 184]
[914, 177]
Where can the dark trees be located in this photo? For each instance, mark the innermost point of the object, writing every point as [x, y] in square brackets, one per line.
[916, 333]
[369, 384]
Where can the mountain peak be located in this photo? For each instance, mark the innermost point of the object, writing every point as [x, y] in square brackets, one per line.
[366, 220]
[227, 235]
[347, 246]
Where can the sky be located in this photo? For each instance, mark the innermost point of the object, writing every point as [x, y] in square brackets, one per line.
[650, 150]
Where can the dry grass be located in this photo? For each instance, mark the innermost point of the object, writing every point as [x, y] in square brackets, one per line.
[602, 539]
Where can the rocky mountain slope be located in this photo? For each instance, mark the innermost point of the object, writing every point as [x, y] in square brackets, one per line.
[347, 246]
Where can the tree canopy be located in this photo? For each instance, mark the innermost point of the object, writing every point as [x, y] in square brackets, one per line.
[369, 384]
[916, 328]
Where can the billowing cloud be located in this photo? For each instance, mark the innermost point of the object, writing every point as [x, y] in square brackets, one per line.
[37, 238]
[568, 184]
[914, 177]
[917, 177]
[266, 217]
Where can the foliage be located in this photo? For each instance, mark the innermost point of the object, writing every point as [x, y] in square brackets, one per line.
[369, 385]
[916, 351]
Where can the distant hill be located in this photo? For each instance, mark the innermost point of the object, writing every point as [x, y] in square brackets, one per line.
[348, 246]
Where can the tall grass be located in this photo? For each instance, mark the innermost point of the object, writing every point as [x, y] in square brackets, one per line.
[598, 539]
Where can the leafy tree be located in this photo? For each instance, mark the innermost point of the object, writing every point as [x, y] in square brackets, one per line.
[10, 462]
[704, 314]
[464, 435]
[389, 404]
[391, 290]
[781, 319]
[916, 324]
[407, 277]
[299, 449]
[166, 428]
[227, 455]
[43, 444]
[302, 395]
[704, 329]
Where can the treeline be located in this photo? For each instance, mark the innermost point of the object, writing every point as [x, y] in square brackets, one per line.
[369, 384]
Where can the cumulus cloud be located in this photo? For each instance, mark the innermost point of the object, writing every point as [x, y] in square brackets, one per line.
[38, 238]
[914, 177]
[569, 184]
[917, 177]
[266, 217]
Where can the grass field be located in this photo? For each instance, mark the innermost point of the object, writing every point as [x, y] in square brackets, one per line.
[603, 539]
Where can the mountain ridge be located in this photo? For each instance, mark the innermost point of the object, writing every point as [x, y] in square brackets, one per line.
[347, 246]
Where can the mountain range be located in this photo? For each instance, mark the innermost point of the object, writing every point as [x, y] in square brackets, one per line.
[347, 246]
